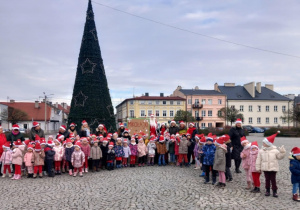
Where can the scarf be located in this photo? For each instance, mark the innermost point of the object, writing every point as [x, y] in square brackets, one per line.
[15, 133]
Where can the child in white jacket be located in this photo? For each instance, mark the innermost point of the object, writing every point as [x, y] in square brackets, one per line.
[151, 151]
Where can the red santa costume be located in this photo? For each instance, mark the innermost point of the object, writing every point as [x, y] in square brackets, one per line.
[153, 124]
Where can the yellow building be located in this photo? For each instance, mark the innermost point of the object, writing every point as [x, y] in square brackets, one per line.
[163, 107]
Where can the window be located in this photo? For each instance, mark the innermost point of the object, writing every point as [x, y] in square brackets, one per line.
[164, 102]
[196, 101]
[131, 112]
[149, 113]
[203, 113]
[157, 113]
[142, 102]
[250, 120]
[202, 125]
[209, 101]
[259, 108]
[275, 120]
[157, 102]
[131, 102]
[171, 113]
[267, 108]
[283, 108]
[258, 120]
[178, 102]
[203, 101]
[142, 113]
[267, 120]
[232, 107]
[275, 108]
[219, 101]
[209, 113]
[219, 113]
[189, 101]
[283, 120]
[209, 125]
[164, 113]
[196, 113]
[250, 108]
[241, 108]
[171, 102]
[149, 102]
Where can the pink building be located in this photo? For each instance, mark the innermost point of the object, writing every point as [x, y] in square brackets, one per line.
[204, 105]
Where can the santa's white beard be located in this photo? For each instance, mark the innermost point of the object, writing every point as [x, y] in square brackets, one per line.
[153, 123]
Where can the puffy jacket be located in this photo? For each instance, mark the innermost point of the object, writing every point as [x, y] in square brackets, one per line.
[49, 153]
[171, 147]
[253, 157]
[17, 155]
[96, 153]
[59, 153]
[77, 159]
[295, 170]
[142, 149]
[133, 149]
[119, 151]
[209, 154]
[6, 157]
[126, 151]
[183, 146]
[86, 149]
[245, 160]
[68, 153]
[38, 158]
[110, 155]
[28, 158]
[173, 130]
[267, 158]
[151, 149]
[12, 137]
[104, 150]
[33, 132]
[161, 148]
[220, 158]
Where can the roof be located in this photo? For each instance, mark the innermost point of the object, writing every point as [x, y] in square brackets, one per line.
[36, 114]
[66, 111]
[240, 93]
[145, 98]
[297, 100]
[200, 92]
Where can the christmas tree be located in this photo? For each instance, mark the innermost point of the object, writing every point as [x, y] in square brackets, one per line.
[91, 99]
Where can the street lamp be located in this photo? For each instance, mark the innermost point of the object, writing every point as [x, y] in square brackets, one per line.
[46, 96]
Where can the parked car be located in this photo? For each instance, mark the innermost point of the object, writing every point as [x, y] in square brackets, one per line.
[249, 128]
[257, 130]
[265, 128]
[22, 130]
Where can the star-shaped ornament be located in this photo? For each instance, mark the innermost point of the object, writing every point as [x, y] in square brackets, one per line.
[109, 107]
[80, 99]
[88, 66]
[94, 34]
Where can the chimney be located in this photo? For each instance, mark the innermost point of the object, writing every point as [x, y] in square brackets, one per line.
[36, 104]
[250, 87]
[258, 87]
[216, 87]
[269, 86]
[12, 101]
[146, 94]
[179, 87]
[196, 88]
[229, 84]
[161, 94]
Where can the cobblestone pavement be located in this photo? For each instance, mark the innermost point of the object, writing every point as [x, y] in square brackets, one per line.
[146, 188]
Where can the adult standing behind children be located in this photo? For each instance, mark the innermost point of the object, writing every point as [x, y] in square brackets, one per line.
[63, 131]
[36, 130]
[173, 129]
[15, 134]
[235, 134]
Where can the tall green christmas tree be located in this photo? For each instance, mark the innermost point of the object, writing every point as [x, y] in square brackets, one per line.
[91, 99]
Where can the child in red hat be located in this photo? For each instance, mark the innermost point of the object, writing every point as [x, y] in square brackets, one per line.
[220, 160]
[295, 170]
[134, 152]
[245, 155]
[58, 157]
[254, 172]
[69, 149]
[110, 156]
[267, 161]
[86, 149]
[6, 159]
[17, 157]
[38, 160]
[28, 162]
[78, 159]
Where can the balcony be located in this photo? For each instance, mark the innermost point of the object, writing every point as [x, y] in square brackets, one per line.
[197, 106]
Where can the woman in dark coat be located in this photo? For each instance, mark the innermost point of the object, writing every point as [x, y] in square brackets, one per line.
[15, 135]
[235, 134]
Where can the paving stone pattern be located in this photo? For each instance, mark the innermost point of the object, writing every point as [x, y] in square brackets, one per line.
[146, 188]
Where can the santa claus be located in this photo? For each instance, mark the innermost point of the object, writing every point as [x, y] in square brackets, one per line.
[153, 124]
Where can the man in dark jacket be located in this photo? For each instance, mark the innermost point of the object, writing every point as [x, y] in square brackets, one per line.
[235, 134]
[63, 131]
[15, 135]
[173, 129]
[36, 130]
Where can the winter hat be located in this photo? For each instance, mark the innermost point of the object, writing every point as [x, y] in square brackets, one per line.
[125, 131]
[119, 138]
[181, 122]
[35, 124]
[125, 140]
[26, 142]
[71, 136]
[115, 133]
[173, 138]
[226, 137]
[18, 143]
[202, 140]
[108, 137]
[210, 137]
[141, 139]
[64, 142]
[6, 145]
[84, 122]
[244, 140]
[152, 139]
[55, 140]
[173, 121]
[254, 144]
[188, 134]
[93, 136]
[270, 140]
[30, 147]
[192, 124]
[143, 134]
[84, 139]
[295, 151]
[100, 136]
[15, 127]
[105, 140]
[109, 134]
[220, 141]
[197, 136]
[37, 147]
[50, 137]
[161, 139]
[51, 144]
[77, 144]
[72, 125]
[43, 141]
[152, 135]
[132, 139]
[100, 125]
[121, 125]
[111, 144]
[68, 141]
[238, 121]
[63, 127]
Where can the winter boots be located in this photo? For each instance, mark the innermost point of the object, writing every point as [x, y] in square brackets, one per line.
[275, 195]
[256, 190]
[248, 186]
[267, 192]
[75, 174]
[41, 175]
[80, 174]
[296, 197]
[214, 180]
[30, 176]
[70, 172]
[206, 180]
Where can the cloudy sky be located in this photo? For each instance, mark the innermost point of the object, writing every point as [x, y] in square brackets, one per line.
[40, 42]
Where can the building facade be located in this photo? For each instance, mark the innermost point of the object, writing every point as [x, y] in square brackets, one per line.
[260, 106]
[204, 105]
[163, 107]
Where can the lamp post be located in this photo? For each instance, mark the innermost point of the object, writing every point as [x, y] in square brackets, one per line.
[46, 96]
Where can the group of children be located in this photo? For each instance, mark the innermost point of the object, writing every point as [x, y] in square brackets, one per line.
[76, 155]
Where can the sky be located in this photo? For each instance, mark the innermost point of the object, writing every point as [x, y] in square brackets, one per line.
[40, 42]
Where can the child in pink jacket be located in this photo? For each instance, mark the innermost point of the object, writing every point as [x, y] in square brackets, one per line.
[245, 155]
[27, 160]
[58, 157]
[255, 173]
[6, 159]
[17, 158]
[86, 149]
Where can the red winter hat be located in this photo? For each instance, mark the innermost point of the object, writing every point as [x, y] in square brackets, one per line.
[197, 136]
[77, 144]
[30, 147]
[18, 143]
[50, 143]
[125, 140]
[105, 140]
[296, 151]
[6, 145]
[84, 122]
[111, 144]
[181, 122]
[210, 137]
[26, 142]
[270, 140]
[143, 134]
[161, 138]
[254, 144]
[243, 140]
[202, 140]
[192, 124]
[63, 127]
[35, 124]
[71, 135]
[68, 141]
[37, 147]
[122, 125]
[15, 127]
[226, 137]
[72, 125]
[220, 141]
[238, 121]
[43, 141]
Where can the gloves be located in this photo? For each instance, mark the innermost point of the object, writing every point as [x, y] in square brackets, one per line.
[281, 149]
